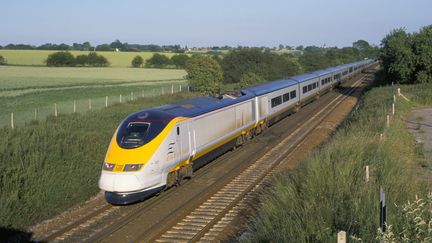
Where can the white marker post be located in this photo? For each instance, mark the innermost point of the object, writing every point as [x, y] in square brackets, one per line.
[367, 173]
[74, 106]
[55, 109]
[90, 105]
[388, 120]
[35, 114]
[12, 121]
[120, 98]
[106, 101]
[393, 109]
[341, 237]
[172, 88]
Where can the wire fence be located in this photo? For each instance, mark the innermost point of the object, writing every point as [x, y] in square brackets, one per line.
[20, 118]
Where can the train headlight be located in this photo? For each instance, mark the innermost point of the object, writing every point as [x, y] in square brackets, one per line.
[108, 166]
[133, 167]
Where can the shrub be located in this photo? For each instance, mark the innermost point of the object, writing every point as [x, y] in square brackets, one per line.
[96, 60]
[158, 61]
[2, 60]
[137, 62]
[81, 60]
[60, 59]
[180, 60]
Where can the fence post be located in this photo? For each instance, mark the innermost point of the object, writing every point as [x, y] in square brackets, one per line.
[106, 101]
[12, 121]
[393, 109]
[367, 173]
[172, 88]
[399, 93]
[341, 237]
[383, 211]
[90, 105]
[74, 107]
[179, 87]
[120, 98]
[388, 120]
[132, 96]
[55, 109]
[35, 114]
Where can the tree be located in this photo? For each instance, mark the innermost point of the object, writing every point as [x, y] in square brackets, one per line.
[361, 45]
[137, 62]
[422, 49]
[397, 57]
[2, 60]
[96, 60]
[117, 45]
[179, 60]
[249, 79]
[60, 59]
[204, 75]
[158, 61]
[82, 60]
[268, 65]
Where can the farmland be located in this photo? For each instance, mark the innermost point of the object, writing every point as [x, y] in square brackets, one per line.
[24, 89]
[37, 57]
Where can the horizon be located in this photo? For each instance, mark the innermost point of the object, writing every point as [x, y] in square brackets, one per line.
[201, 24]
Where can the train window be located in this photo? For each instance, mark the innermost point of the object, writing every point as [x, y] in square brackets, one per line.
[285, 97]
[322, 82]
[314, 86]
[309, 87]
[293, 94]
[304, 89]
[135, 134]
[276, 101]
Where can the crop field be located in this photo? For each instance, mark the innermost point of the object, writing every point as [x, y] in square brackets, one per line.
[37, 57]
[24, 89]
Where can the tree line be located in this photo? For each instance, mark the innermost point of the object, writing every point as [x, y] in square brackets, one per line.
[66, 59]
[86, 46]
[407, 57]
[247, 66]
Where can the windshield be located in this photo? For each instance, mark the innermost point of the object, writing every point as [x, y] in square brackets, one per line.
[135, 134]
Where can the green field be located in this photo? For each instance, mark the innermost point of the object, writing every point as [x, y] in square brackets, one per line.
[24, 89]
[37, 57]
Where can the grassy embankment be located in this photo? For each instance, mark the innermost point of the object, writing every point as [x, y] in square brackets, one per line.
[24, 89]
[37, 57]
[328, 192]
[49, 166]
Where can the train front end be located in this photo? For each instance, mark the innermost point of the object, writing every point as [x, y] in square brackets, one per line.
[133, 169]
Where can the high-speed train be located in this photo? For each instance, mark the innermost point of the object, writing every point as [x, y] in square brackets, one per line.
[156, 148]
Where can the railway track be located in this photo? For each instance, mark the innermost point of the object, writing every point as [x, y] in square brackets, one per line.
[203, 210]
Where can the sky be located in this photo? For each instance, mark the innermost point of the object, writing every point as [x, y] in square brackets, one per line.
[202, 23]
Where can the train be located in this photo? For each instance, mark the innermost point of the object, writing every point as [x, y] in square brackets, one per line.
[154, 149]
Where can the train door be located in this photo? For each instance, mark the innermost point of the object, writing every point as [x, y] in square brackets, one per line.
[182, 139]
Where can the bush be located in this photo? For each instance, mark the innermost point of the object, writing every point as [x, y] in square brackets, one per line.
[158, 61]
[81, 60]
[60, 59]
[137, 61]
[2, 60]
[96, 60]
[180, 60]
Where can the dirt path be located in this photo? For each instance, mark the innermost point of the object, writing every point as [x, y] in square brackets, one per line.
[419, 123]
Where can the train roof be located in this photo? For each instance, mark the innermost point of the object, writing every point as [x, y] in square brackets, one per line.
[200, 105]
[268, 87]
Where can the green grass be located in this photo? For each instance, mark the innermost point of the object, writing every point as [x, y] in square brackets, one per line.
[46, 167]
[24, 89]
[37, 57]
[16, 79]
[328, 192]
